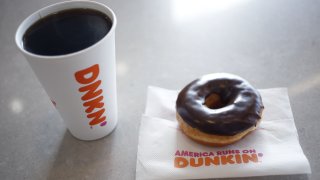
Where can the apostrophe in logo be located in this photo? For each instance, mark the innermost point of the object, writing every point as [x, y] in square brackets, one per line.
[92, 97]
[185, 158]
[54, 103]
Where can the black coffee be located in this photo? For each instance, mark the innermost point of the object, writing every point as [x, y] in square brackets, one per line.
[66, 32]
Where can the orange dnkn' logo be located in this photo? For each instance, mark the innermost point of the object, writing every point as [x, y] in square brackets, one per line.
[92, 97]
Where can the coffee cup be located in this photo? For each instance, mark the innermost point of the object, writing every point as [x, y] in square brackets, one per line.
[76, 67]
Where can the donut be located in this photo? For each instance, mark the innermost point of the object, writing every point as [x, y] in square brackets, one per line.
[218, 109]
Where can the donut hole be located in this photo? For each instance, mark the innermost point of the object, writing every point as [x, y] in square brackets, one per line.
[213, 101]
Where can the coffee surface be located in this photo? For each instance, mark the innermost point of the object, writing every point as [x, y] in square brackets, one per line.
[66, 32]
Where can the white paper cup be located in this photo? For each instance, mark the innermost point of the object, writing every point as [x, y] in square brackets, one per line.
[89, 111]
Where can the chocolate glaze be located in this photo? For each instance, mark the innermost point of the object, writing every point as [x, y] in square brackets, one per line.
[242, 110]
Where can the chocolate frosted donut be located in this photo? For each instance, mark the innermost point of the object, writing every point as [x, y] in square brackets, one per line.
[220, 107]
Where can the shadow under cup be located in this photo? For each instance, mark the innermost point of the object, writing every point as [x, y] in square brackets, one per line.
[77, 69]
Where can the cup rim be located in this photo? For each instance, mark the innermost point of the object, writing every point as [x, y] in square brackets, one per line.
[18, 39]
